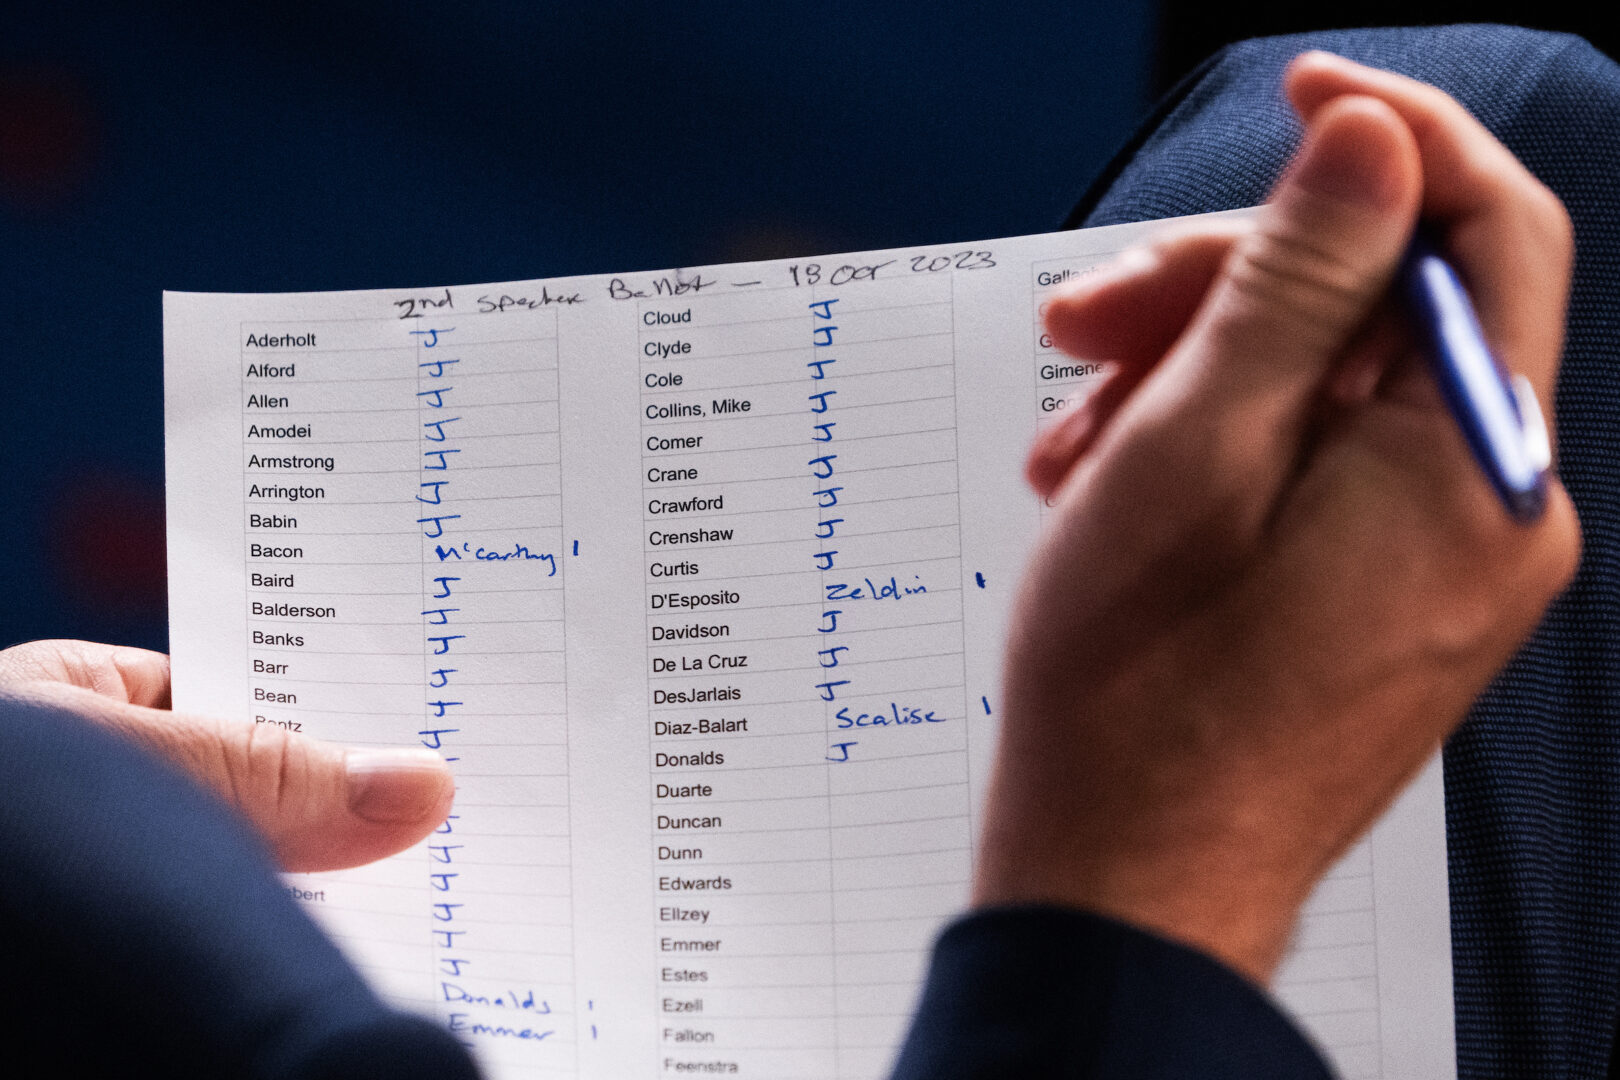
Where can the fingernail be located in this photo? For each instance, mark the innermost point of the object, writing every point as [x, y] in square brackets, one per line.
[1343, 167]
[1134, 260]
[390, 786]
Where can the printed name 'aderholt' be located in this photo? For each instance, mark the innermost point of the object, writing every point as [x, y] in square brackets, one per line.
[281, 341]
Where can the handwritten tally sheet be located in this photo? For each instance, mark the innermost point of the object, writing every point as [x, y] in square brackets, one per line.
[699, 578]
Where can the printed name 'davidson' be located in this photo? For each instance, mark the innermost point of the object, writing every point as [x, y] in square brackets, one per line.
[692, 630]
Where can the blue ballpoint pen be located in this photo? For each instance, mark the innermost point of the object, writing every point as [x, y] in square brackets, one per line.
[1498, 414]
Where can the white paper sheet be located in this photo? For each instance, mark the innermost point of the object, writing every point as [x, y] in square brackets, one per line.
[638, 552]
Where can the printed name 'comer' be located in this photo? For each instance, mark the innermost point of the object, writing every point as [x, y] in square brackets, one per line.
[674, 442]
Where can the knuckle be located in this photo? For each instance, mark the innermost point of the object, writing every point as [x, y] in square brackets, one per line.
[1192, 239]
[1504, 573]
[1310, 283]
[266, 769]
[1551, 220]
[221, 758]
[1557, 545]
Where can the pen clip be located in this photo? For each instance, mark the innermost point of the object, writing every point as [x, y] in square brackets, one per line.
[1498, 413]
[1537, 442]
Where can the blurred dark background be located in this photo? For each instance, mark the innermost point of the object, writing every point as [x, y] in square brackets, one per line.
[359, 144]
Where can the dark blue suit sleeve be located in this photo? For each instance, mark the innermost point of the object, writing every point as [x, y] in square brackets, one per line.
[145, 934]
[1039, 993]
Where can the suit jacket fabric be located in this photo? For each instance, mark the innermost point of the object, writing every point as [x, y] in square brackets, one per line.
[1044, 993]
[1533, 777]
[145, 933]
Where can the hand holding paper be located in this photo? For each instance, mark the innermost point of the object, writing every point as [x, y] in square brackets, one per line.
[317, 806]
